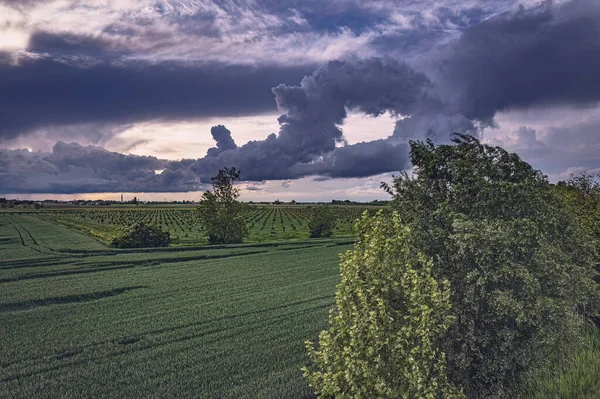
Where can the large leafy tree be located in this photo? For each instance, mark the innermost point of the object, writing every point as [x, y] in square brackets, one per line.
[390, 313]
[518, 264]
[221, 212]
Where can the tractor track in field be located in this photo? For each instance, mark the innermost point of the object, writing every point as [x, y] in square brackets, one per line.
[217, 327]
[29, 234]
[33, 238]
[78, 298]
[17, 230]
[14, 224]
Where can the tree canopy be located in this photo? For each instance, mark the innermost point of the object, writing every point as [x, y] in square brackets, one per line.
[220, 211]
[518, 264]
[389, 316]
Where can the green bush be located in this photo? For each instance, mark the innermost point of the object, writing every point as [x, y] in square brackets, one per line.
[322, 222]
[390, 314]
[141, 236]
[517, 262]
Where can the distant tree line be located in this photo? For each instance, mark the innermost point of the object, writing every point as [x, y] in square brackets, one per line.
[11, 203]
[348, 202]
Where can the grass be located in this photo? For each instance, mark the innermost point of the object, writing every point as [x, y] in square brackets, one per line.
[78, 319]
[575, 377]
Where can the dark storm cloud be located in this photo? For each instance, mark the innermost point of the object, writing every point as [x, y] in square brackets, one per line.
[309, 128]
[358, 160]
[544, 55]
[67, 44]
[46, 92]
[72, 168]
[549, 54]
[222, 136]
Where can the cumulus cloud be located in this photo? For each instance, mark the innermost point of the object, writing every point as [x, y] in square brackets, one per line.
[45, 92]
[556, 141]
[544, 55]
[222, 136]
[310, 125]
[358, 160]
[539, 56]
[573, 145]
[522, 59]
[72, 168]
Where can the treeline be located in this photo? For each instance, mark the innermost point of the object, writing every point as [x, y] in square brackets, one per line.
[348, 202]
[11, 203]
[482, 274]
[333, 202]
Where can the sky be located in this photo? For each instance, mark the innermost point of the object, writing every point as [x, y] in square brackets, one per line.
[312, 100]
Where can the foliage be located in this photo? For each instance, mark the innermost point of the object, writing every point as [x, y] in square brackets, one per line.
[220, 211]
[580, 194]
[390, 313]
[141, 236]
[517, 263]
[586, 185]
[322, 222]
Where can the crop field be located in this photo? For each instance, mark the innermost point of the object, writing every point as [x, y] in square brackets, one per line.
[265, 223]
[78, 319]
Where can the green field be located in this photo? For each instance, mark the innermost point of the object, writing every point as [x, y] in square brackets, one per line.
[265, 223]
[78, 319]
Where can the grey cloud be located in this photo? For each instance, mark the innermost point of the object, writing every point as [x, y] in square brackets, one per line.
[321, 178]
[222, 136]
[525, 141]
[48, 93]
[358, 160]
[548, 54]
[574, 145]
[129, 145]
[72, 168]
[68, 44]
[531, 57]
[527, 137]
[561, 140]
[528, 58]
[309, 128]
[433, 122]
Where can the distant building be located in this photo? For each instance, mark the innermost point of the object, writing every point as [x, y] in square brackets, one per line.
[121, 197]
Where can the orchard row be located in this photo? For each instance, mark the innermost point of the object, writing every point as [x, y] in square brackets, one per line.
[265, 223]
